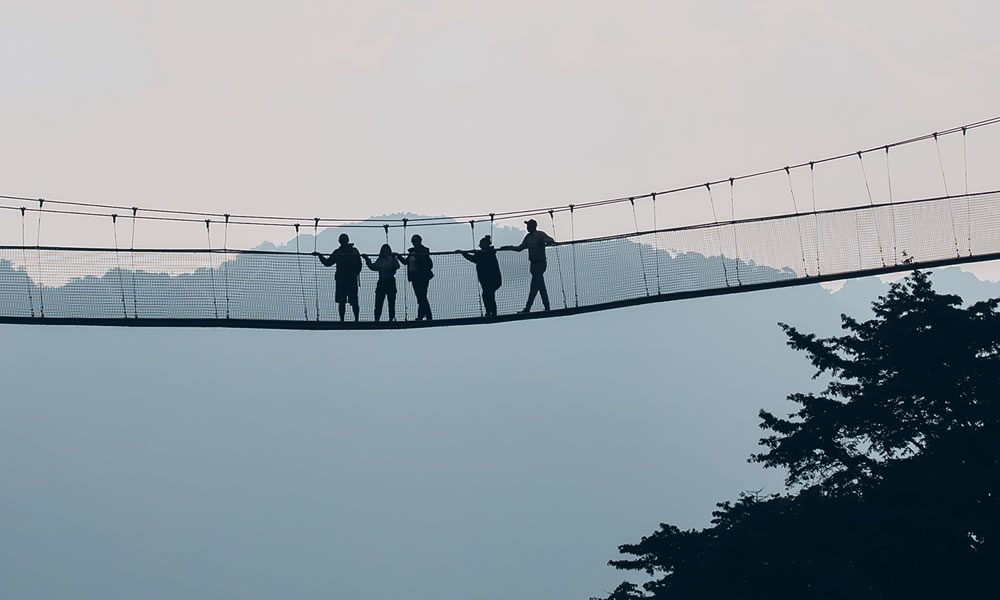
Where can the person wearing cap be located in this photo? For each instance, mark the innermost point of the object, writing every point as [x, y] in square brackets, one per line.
[534, 242]
[487, 271]
[419, 272]
[347, 259]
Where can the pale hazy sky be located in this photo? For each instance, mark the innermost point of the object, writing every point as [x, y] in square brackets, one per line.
[176, 463]
[358, 109]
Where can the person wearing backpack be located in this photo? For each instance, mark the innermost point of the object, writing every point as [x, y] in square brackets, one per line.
[419, 273]
[347, 259]
[487, 271]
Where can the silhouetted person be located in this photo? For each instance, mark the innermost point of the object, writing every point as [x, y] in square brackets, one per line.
[386, 266]
[488, 273]
[347, 259]
[418, 272]
[534, 242]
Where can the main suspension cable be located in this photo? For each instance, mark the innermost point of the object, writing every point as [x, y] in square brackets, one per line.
[281, 221]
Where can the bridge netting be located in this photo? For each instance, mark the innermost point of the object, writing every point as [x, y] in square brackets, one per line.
[267, 288]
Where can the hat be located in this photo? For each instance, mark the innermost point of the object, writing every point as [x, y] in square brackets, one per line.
[531, 222]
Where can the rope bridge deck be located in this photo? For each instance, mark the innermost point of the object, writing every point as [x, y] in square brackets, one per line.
[288, 290]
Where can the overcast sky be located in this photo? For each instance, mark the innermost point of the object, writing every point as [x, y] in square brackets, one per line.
[358, 109]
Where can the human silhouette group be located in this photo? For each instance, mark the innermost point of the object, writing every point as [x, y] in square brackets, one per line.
[347, 261]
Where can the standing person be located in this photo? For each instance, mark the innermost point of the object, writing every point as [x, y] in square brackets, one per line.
[488, 272]
[534, 242]
[418, 272]
[348, 262]
[386, 266]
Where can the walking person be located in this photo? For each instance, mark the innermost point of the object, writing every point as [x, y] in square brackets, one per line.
[386, 266]
[419, 272]
[347, 259]
[487, 271]
[534, 242]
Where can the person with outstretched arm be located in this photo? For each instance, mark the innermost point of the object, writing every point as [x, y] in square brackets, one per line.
[534, 242]
[386, 266]
[487, 271]
[347, 259]
[419, 272]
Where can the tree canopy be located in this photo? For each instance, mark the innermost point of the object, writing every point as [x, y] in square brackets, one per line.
[893, 470]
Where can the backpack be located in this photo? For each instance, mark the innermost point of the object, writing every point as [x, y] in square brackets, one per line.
[419, 266]
[348, 262]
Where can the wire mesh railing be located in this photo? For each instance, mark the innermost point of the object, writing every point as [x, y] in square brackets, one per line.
[260, 288]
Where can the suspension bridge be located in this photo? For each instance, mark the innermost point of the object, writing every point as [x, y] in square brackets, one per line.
[122, 285]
